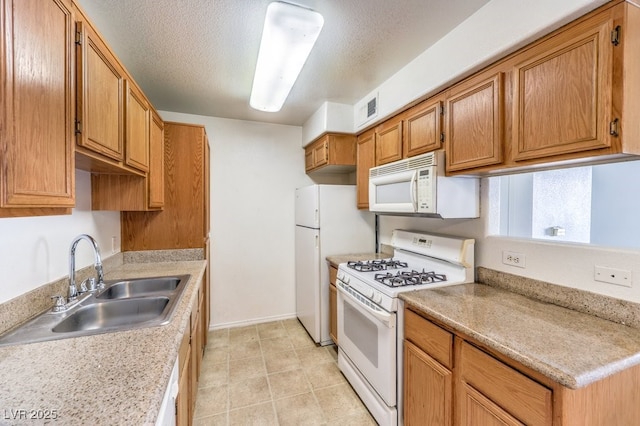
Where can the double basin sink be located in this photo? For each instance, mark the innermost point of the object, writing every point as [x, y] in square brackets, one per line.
[122, 305]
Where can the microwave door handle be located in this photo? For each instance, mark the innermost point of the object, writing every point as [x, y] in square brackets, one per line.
[412, 189]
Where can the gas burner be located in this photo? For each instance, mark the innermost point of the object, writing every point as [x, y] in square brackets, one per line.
[376, 265]
[403, 278]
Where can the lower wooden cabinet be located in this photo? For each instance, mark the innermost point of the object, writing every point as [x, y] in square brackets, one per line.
[450, 379]
[333, 304]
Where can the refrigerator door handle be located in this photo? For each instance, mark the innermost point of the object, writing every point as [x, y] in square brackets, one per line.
[317, 241]
[317, 220]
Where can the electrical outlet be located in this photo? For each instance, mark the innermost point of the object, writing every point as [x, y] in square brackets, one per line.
[612, 276]
[514, 259]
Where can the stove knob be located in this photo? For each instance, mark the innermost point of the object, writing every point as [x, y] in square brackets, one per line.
[346, 279]
[377, 298]
[340, 275]
[370, 293]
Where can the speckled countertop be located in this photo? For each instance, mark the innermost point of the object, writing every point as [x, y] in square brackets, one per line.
[570, 347]
[104, 379]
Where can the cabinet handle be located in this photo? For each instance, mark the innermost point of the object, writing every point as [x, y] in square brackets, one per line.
[615, 35]
[613, 128]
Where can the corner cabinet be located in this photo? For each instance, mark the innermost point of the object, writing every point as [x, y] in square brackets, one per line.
[366, 159]
[333, 153]
[38, 101]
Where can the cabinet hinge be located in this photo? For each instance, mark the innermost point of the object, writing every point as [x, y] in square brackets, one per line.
[78, 37]
[442, 137]
[613, 128]
[78, 127]
[615, 35]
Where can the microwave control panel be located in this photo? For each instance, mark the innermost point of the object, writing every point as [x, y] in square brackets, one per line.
[426, 188]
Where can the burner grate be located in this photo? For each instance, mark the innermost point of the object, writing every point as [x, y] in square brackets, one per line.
[376, 265]
[404, 278]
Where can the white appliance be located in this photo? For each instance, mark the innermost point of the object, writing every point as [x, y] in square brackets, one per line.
[370, 351]
[327, 223]
[417, 185]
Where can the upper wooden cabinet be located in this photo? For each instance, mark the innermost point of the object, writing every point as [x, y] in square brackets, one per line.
[474, 122]
[366, 159]
[331, 153]
[137, 128]
[100, 107]
[155, 178]
[389, 141]
[562, 97]
[422, 128]
[37, 100]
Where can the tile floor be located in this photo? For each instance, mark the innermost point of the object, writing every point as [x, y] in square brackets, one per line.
[273, 374]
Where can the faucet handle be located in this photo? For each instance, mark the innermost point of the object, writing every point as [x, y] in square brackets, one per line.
[60, 305]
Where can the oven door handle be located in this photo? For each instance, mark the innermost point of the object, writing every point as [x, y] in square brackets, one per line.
[388, 319]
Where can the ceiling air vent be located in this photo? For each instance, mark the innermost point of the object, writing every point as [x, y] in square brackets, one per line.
[367, 110]
[372, 107]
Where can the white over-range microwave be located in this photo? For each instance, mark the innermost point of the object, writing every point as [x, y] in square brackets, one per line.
[418, 186]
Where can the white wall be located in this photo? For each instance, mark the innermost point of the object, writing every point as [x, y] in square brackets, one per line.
[255, 168]
[35, 250]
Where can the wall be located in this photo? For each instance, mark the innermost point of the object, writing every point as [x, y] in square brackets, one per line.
[35, 251]
[255, 168]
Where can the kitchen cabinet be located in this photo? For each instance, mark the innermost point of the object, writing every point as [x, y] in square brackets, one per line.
[366, 159]
[451, 378]
[334, 153]
[38, 101]
[423, 128]
[333, 304]
[389, 141]
[155, 176]
[137, 112]
[184, 388]
[474, 122]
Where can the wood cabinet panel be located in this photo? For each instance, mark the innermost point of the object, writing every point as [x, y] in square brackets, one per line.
[562, 92]
[427, 389]
[333, 304]
[430, 338]
[137, 128]
[389, 142]
[422, 128]
[100, 100]
[366, 159]
[474, 123]
[38, 101]
[183, 222]
[334, 153]
[481, 411]
[155, 176]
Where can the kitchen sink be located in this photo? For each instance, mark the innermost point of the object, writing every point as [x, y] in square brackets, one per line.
[122, 305]
[113, 314]
[141, 287]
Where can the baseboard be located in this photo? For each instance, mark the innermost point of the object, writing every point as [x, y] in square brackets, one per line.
[252, 321]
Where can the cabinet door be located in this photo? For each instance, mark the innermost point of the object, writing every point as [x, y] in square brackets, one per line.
[478, 410]
[562, 92]
[428, 393]
[321, 152]
[155, 176]
[389, 142]
[37, 98]
[308, 158]
[422, 128]
[333, 304]
[100, 101]
[474, 123]
[137, 128]
[365, 159]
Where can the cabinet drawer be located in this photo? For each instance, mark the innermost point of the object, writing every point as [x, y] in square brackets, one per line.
[432, 339]
[525, 399]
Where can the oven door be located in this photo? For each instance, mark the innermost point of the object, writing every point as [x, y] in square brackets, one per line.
[368, 337]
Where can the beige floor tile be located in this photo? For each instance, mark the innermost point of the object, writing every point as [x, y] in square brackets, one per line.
[270, 330]
[249, 392]
[324, 375]
[218, 338]
[244, 349]
[213, 375]
[215, 355]
[300, 341]
[299, 410]
[255, 415]
[217, 420]
[212, 400]
[313, 356]
[243, 334]
[281, 361]
[244, 368]
[291, 323]
[277, 344]
[361, 419]
[333, 351]
[288, 383]
[339, 401]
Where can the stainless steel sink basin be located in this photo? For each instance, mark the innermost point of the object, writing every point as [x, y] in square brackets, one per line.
[122, 305]
[141, 287]
[113, 314]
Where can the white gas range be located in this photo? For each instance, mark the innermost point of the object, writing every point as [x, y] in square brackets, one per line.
[368, 328]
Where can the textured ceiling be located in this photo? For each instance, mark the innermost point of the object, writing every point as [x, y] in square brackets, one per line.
[198, 56]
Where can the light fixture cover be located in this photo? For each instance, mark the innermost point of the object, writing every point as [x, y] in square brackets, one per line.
[288, 36]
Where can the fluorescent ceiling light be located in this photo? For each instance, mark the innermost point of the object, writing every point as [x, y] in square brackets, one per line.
[288, 36]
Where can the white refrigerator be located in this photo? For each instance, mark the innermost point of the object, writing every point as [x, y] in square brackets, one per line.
[327, 223]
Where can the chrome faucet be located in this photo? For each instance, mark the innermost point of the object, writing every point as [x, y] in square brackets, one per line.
[73, 289]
